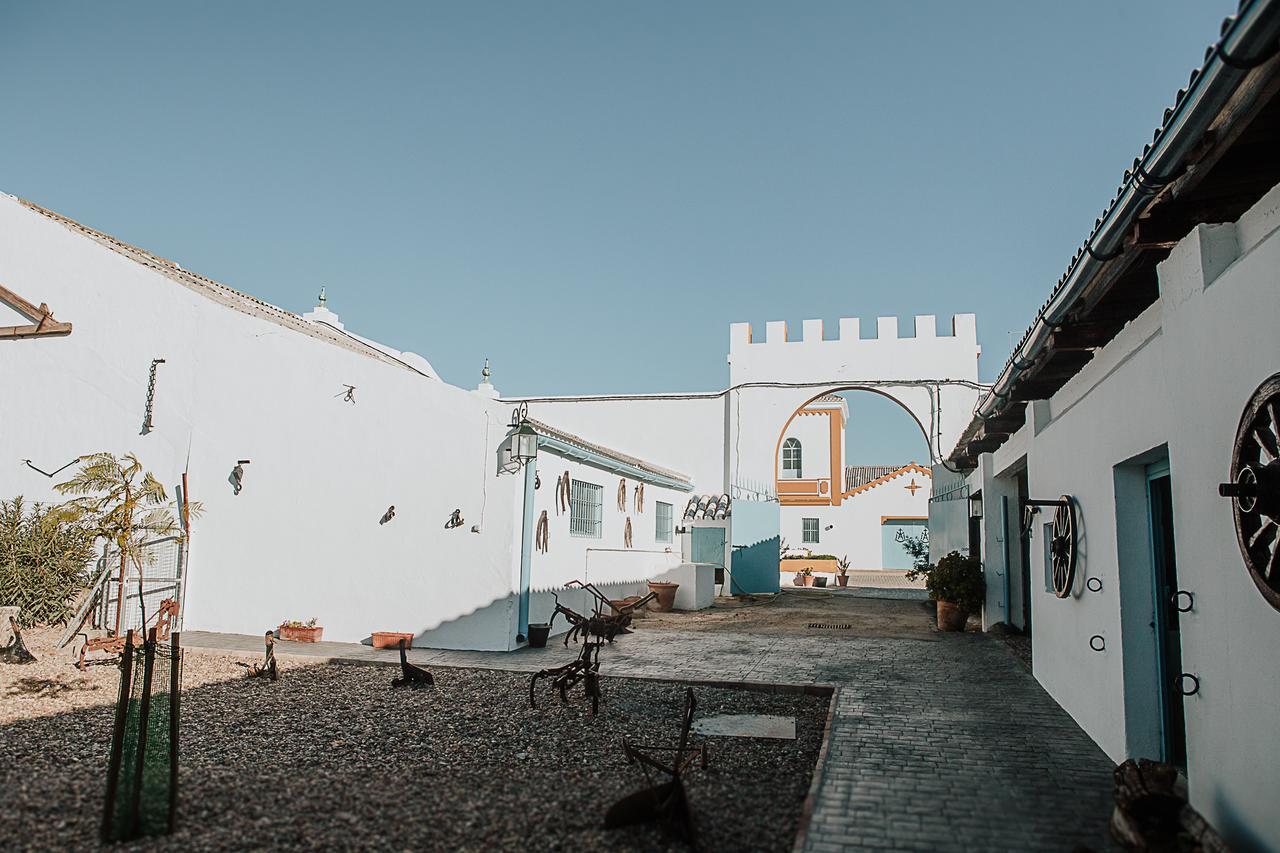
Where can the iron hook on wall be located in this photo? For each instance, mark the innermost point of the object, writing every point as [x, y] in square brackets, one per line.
[237, 476]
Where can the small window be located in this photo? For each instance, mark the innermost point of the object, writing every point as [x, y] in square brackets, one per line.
[791, 459]
[662, 512]
[810, 535]
[586, 509]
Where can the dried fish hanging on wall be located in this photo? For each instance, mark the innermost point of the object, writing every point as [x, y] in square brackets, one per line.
[639, 497]
[542, 534]
[626, 534]
[622, 495]
[563, 493]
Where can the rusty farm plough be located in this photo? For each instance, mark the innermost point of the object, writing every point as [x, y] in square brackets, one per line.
[586, 668]
[165, 617]
[666, 802]
[268, 668]
[609, 619]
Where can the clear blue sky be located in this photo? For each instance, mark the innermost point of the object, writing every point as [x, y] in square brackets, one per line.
[589, 193]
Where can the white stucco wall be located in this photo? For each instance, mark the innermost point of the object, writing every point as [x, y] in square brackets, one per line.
[683, 434]
[1174, 381]
[758, 415]
[302, 539]
[813, 431]
[604, 561]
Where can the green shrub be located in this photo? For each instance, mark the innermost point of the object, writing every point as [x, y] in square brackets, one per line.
[44, 562]
[956, 578]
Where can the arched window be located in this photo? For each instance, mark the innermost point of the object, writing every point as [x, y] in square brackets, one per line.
[791, 459]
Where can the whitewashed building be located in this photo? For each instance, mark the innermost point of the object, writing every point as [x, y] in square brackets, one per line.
[341, 479]
[1145, 388]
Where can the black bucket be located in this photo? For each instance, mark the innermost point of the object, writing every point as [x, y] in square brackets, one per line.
[538, 635]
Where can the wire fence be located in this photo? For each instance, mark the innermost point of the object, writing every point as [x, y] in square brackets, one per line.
[142, 772]
[163, 565]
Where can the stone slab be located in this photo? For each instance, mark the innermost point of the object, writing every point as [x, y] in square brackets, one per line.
[747, 725]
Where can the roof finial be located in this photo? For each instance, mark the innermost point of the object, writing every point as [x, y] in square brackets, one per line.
[485, 373]
[322, 298]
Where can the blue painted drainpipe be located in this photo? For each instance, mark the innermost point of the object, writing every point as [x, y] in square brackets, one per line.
[526, 551]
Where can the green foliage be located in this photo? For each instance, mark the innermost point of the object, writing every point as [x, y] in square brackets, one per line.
[957, 578]
[294, 623]
[43, 561]
[918, 548]
[116, 500]
[810, 557]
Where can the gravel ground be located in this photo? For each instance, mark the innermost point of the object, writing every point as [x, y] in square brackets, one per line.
[330, 757]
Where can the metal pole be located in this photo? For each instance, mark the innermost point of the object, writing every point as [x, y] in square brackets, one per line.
[526, 551]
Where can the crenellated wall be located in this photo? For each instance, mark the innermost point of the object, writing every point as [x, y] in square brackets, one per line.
[912, 370]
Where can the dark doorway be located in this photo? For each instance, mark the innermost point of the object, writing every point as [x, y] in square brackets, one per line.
[1173, 730]
[1024, 556]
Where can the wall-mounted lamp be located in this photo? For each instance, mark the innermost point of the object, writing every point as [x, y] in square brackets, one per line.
[388, 515]
[237, 476]
[523, 437]
[829, 527]
[975, 506]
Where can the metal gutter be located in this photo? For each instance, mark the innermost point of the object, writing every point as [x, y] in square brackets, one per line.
[609, 463]
[1252, 32]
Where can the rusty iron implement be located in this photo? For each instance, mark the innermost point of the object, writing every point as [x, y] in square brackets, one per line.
[585, 669]
[16, 651]
[607, 622]
[666, 802]
[268, 668]
[410, 675]
[166, 614]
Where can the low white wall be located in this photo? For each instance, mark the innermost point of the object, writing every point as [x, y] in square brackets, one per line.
[697, 585]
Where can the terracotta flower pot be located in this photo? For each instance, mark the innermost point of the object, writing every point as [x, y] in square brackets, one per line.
[628, 602]
[301, 633]
[666, 599]
[391, 639]
[843, 580]
[950, 616]
[808, 580]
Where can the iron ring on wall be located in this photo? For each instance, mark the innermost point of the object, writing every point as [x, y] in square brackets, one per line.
[1098, 643]
[1094, 584]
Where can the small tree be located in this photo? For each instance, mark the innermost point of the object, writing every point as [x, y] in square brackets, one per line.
[120, 502]
[42, 562]
[917, 547]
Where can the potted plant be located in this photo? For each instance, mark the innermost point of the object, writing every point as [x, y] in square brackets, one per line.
[842, 571]
[666, 593]
[807, 576]
[956, 584]
[301, 632]
[387, 639]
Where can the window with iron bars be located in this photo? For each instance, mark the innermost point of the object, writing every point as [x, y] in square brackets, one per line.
[586, 509]
[662, 512]
[810, 533]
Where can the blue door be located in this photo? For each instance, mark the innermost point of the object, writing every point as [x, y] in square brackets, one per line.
[754, 563]
[708, 545]
[892, 531]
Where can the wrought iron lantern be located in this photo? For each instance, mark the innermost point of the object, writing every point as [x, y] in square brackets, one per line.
[1255, 488]
[524, 438]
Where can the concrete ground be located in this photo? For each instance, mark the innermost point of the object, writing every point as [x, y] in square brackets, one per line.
[937, 741]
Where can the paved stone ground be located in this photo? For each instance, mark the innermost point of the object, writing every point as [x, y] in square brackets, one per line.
[940, 744]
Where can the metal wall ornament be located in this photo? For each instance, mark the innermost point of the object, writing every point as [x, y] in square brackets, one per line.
[1255, 488]
[1062, 541]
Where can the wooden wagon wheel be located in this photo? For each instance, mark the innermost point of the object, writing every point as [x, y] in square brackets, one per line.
[1255, 488]
[1062, 546]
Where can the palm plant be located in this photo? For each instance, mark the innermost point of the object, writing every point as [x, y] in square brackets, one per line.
[124, 504]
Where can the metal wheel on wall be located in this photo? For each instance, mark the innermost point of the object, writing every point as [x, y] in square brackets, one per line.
[1062, 546]
[1255, 488]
